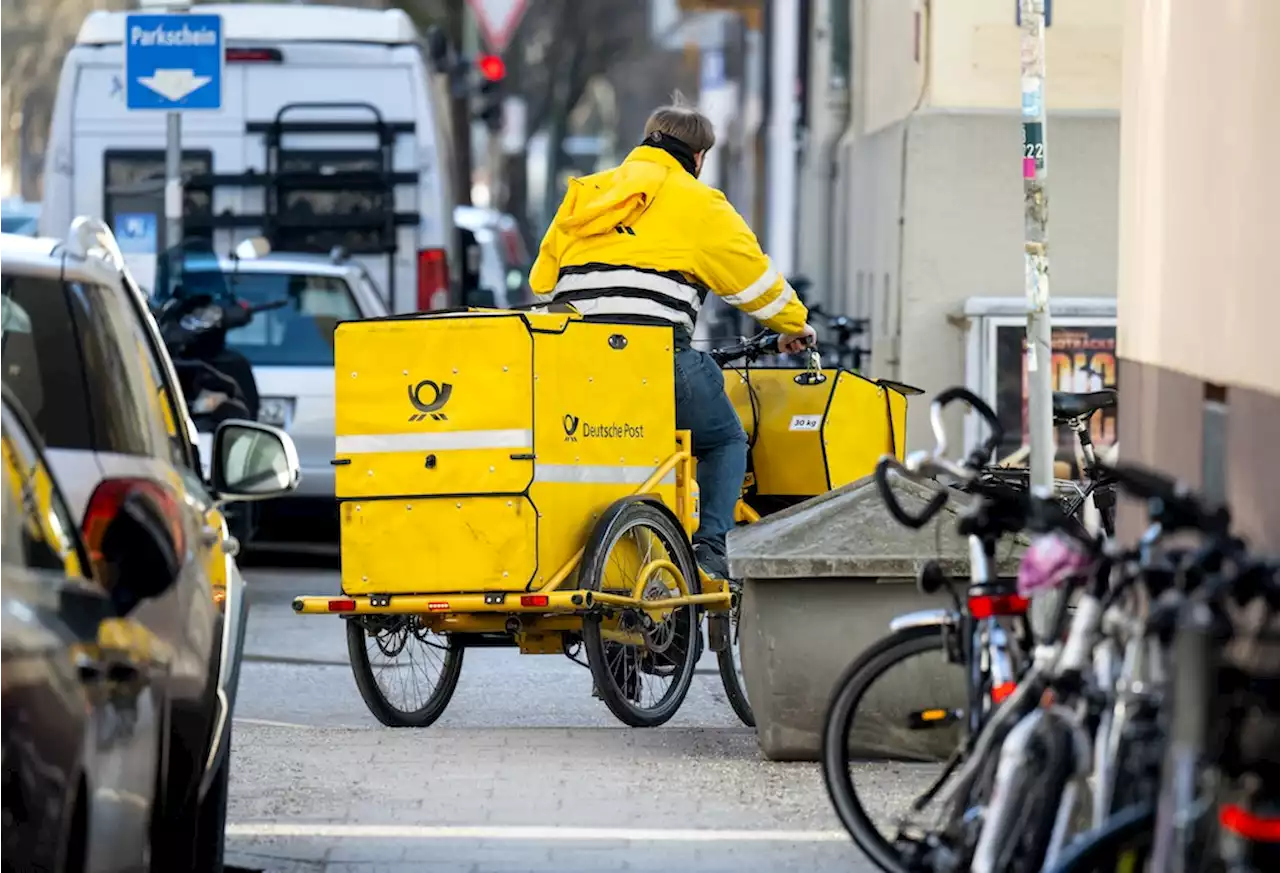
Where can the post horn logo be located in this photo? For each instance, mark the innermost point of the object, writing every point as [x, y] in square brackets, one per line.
[570, 428]
[442, 394]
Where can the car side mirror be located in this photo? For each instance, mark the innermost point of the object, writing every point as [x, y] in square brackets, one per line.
[482, 298]
[252, 461]
[139, 556]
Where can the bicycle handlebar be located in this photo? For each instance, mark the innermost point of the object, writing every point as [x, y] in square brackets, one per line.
[764, 343]
[924, 464]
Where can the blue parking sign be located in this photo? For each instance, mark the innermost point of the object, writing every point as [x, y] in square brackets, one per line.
[173, 62]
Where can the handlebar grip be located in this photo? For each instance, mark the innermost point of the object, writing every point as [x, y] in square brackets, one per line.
[1143, 483]
[986, 412]
[896, 509]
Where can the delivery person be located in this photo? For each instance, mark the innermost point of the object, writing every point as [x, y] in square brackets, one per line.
[645, 242]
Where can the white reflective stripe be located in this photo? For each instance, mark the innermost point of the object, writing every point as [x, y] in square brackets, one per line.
[632, 306]
[755, 289]
[598, 474]
[769, 310]
[599, 279]
[362, 444]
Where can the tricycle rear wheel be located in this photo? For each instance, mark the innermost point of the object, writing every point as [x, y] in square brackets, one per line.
[728, 660]
[398, 652]
[642, 684]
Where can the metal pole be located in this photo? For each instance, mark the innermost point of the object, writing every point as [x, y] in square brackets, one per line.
[1035, 198]
[173, 180]
[1036, 222]
[784, 55]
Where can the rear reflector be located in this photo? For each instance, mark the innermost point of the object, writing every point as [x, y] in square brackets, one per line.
[254, 56]
[1251, 826]
[433, 280]
[991, 605]
[1001, 692]
[534, 600]
[344, 605]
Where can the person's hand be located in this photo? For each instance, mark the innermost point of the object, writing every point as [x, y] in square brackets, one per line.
[794, 343]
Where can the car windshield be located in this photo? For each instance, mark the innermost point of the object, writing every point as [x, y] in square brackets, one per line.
[299, 334]
[23, 224]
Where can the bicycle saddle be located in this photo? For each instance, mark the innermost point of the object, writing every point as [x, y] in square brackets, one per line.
[1067, 405]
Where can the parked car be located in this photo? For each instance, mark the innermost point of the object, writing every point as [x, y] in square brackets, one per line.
[503, 259]
[290, 348]
[334, 131]
[82, 356]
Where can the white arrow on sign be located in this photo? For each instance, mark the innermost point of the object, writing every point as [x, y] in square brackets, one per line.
[174, 84]
[498, 20]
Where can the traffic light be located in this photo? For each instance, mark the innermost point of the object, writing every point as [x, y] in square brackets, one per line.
[493, 74]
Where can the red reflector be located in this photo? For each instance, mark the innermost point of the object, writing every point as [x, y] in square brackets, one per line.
[534, 600]
[1260, 829]
[438, 604]
[252, 56]
[1001, 692]
[433, 280]
[347, 605]
[991, 605]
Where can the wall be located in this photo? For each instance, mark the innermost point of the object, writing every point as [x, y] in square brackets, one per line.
[974, 54]
[1199, 298]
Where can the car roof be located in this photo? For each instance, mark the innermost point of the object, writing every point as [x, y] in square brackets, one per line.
[277, 22]
[275, 262]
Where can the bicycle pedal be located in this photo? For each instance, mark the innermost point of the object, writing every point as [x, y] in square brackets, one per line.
[929, 719]
[718, 632]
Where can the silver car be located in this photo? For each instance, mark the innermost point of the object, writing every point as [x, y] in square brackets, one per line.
[82, 356]
[291, 348]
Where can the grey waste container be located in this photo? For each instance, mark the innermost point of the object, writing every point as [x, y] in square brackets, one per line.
[822, 580]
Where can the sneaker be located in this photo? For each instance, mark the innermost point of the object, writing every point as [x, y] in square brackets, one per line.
[713, 564]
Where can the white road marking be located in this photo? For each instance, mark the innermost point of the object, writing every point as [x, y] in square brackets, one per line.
[554, 833]
[266, 722]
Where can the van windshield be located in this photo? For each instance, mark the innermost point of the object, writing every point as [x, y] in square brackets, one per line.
[299, 334]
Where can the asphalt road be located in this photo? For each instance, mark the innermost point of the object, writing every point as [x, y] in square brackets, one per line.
[525, 772]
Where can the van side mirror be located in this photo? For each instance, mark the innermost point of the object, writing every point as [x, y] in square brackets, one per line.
[252, 461]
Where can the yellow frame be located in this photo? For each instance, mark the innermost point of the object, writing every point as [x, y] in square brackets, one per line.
[715, 595]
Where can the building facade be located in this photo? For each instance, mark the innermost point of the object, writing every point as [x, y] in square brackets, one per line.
[926, 208]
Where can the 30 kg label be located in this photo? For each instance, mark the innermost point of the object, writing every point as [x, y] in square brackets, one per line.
[806, 422]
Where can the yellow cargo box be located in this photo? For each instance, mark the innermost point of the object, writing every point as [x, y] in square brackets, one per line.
[475, 450]
[819, 435]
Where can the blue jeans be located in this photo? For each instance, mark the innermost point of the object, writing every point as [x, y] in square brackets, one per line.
[719, 443]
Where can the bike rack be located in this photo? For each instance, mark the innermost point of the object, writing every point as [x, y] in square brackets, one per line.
[278, 223]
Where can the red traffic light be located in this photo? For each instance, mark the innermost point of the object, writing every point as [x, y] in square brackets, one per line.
[492, 67]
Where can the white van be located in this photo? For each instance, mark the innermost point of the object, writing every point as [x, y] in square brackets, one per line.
[335, 130]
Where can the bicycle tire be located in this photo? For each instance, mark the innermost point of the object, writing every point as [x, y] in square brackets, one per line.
[852, 686]
[1101, 850]
[734, 686]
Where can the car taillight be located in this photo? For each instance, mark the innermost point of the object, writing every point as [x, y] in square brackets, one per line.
[253, 56]
[992, 605]
[433, 280]
[105, 504]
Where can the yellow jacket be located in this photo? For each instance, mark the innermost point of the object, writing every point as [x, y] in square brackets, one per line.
[647, 238]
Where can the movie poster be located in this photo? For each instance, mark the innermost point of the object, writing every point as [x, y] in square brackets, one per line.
[1084, 359]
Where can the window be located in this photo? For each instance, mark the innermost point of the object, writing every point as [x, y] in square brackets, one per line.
[42, 361]
[298, 334]
[135, 187]
[157, 392]
[124, 422]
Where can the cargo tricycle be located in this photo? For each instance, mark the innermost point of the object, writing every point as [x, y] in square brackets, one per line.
[515, 478]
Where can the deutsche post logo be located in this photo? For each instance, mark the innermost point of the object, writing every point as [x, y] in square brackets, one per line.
[439, 397]
[570, 428]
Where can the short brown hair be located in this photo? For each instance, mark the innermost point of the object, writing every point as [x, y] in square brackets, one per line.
[682, 121]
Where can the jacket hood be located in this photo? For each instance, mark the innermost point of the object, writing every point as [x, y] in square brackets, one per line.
[597, 204]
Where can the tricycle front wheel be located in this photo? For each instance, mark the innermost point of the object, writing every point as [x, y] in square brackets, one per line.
[405, 671]
[729, 660]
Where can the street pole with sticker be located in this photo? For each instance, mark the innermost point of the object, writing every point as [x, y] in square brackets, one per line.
[1035, 199]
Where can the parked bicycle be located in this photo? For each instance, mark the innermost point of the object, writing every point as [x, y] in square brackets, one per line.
[1103, 756]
